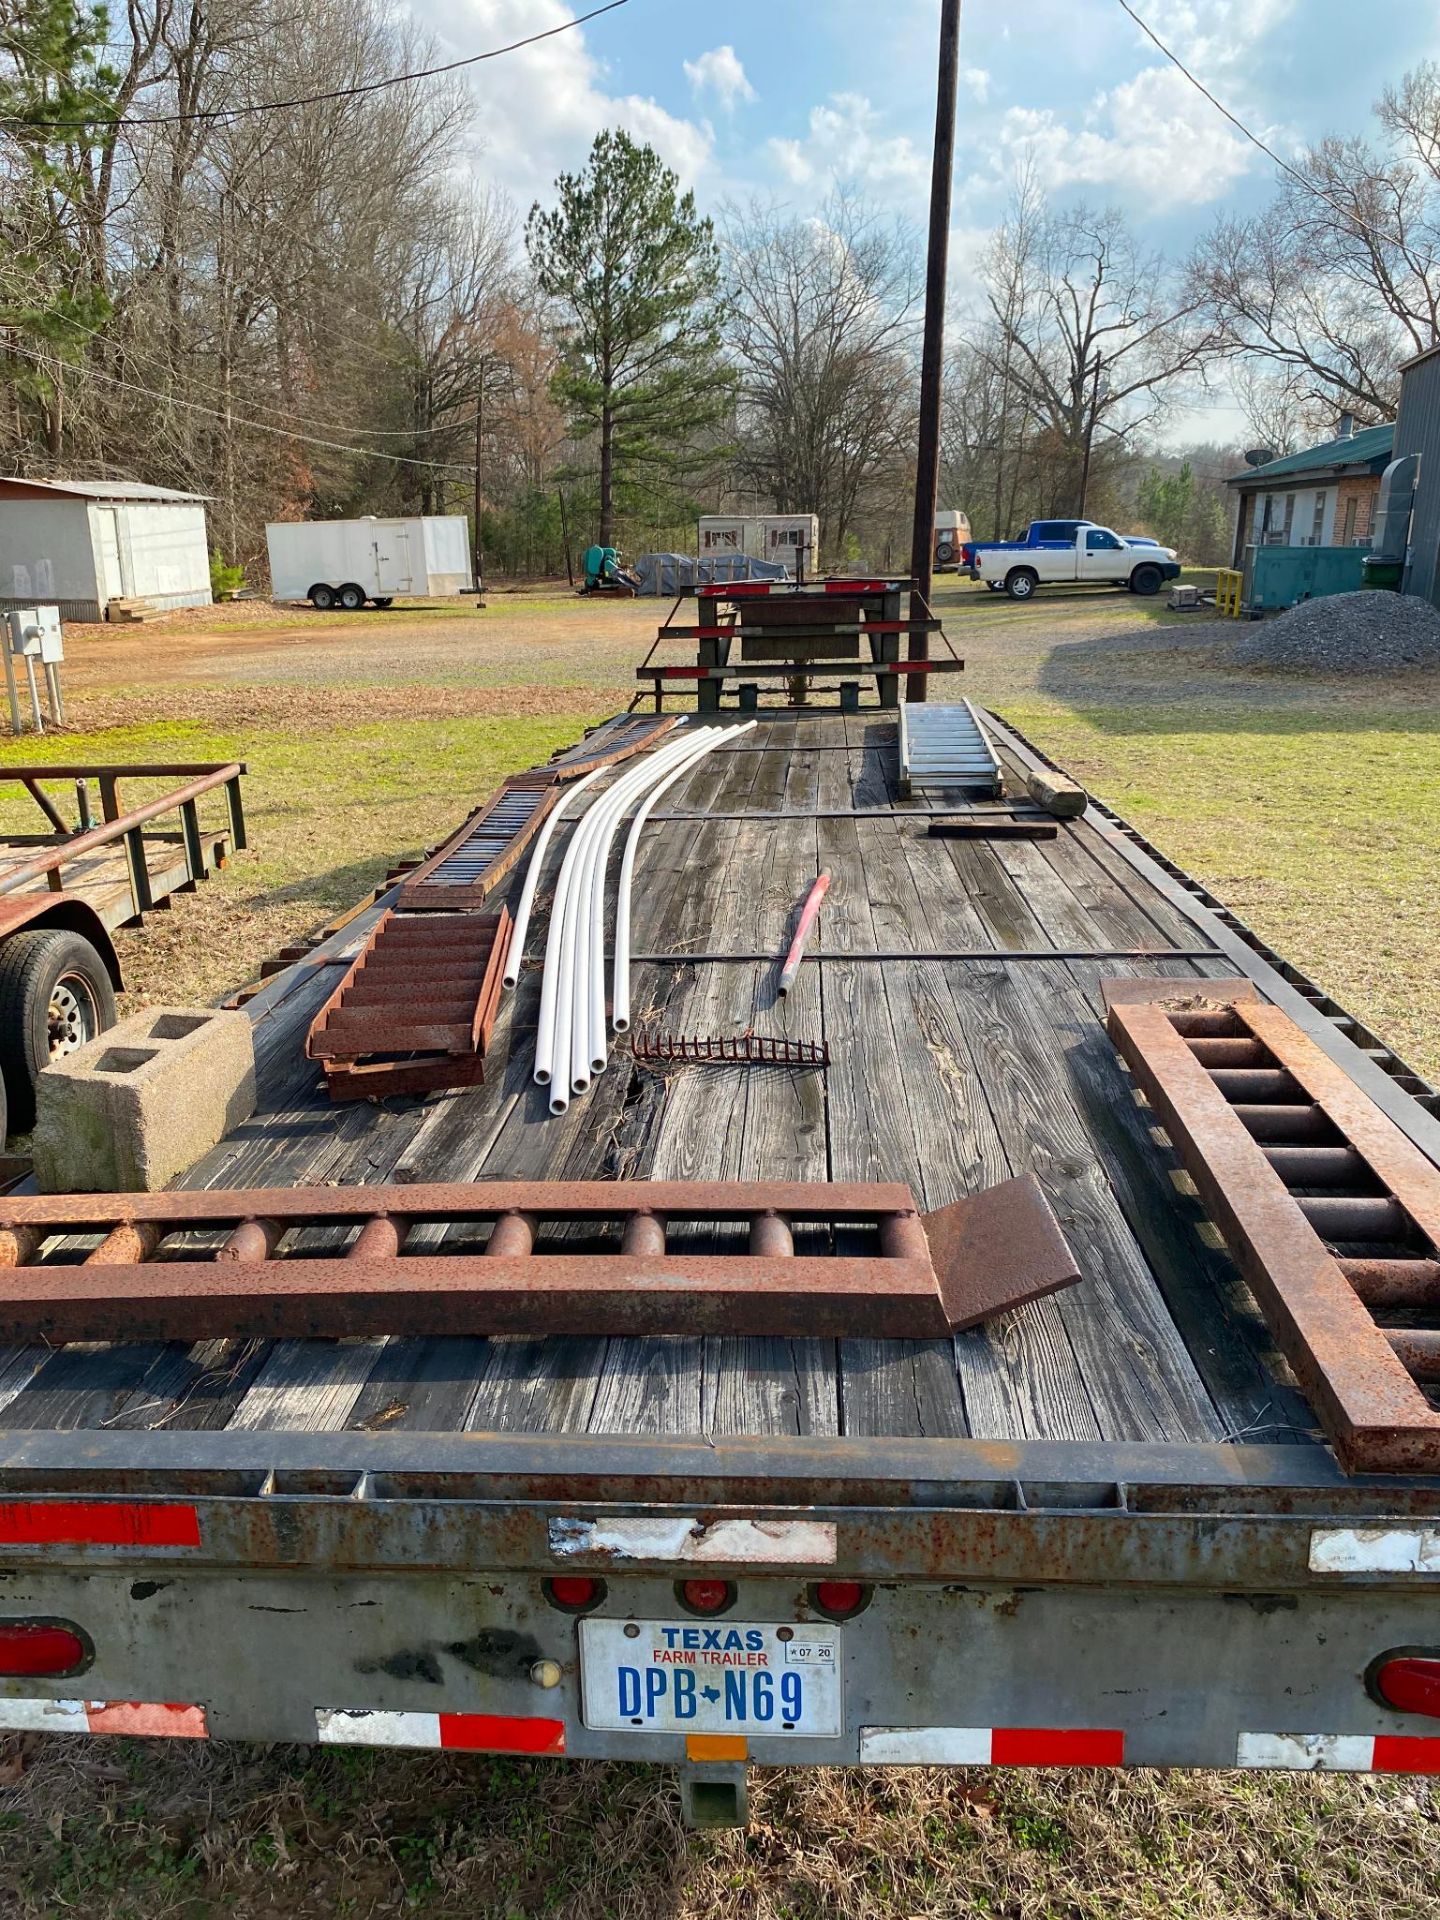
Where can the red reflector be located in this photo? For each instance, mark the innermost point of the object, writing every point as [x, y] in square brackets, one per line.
[571, 1590]
[1057, 1747]
[706, 1596]
[97, 1523]
[500, 1733]
[34, 1647]
[839, 1596]
[1410, 1685]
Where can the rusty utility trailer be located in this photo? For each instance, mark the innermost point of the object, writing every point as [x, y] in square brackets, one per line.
[1107, 1529]
[65, 890]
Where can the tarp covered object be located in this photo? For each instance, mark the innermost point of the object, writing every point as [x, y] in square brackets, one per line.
[672, 573]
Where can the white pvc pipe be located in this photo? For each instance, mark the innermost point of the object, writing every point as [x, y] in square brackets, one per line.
[589, 1008]
[689, 749]
[532, 875]
[707, 739]
[562, 1048]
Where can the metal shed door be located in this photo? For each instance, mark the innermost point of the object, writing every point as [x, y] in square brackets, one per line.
[110, 575]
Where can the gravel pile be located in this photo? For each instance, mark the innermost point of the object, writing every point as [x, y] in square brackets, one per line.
[1368, 632]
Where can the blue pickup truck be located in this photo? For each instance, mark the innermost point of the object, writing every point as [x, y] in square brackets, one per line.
[1068, 552]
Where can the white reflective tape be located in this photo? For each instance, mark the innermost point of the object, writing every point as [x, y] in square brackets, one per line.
[1375, 1550]
[925, 1746]
[1322, 1752]
[43, 1716]
[725, 1542]
[347, 1727]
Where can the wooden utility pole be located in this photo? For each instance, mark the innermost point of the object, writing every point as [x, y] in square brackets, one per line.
[932, 358]
[479, 438]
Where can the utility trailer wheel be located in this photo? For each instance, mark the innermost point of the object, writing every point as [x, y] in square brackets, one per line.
[387, 601]
[321, 597]
[55, 995]
[996, 586]
[1021, 582]
[351, 597]
[1146, 580]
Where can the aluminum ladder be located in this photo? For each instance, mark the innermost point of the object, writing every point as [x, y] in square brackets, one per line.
[946, 746]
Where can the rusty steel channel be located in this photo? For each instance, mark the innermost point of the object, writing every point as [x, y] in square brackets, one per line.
[920, 1276]
[747, 1049]
[1330, 1211]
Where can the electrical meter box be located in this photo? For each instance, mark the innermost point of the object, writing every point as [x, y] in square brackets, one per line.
[35, 631]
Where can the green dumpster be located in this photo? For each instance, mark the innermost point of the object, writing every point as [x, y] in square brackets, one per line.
[1378, 571]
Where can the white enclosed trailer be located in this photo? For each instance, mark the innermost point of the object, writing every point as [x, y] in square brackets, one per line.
[81, 544]
[344, 563]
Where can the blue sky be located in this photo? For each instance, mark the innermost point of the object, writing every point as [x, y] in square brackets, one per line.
[785, 97]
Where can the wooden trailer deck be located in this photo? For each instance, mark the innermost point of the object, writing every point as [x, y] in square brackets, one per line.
[103, 877]
[949, 1073]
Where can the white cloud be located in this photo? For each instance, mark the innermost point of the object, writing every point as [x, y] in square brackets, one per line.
[845, 141]
[1153, 137]
[720, 71]
[977, 82]
[538, 110]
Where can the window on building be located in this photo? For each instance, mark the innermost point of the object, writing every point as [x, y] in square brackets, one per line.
[1317, 526]
[1348, 537]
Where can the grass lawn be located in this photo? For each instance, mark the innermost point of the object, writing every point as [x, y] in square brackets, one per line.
[1313, 810]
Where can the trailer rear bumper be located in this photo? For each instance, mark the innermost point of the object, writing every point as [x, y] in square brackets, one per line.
[1030, 1604]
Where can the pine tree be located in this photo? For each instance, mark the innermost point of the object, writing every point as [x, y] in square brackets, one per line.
[635, 272]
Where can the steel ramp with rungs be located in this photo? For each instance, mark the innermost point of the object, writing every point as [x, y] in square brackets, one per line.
[946, 746]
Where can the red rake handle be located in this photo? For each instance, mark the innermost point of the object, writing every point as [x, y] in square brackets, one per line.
[808, 912]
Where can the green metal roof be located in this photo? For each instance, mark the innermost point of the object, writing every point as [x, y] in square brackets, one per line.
[1359, 450]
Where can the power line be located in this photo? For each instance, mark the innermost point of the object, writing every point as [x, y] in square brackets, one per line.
[40, 122]
[1346, 213]
[233, 419]
[287, 413]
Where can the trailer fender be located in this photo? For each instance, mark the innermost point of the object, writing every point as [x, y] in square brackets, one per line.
[66, 912]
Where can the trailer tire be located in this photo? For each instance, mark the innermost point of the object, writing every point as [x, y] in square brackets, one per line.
[1146, 580]
[351, 597]
[55, 994]
[321, 597]
[387, 601]
[1021, 582]
[996, 586]
[4, 1117]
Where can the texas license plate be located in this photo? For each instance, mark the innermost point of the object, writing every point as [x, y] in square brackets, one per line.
[689, 1676]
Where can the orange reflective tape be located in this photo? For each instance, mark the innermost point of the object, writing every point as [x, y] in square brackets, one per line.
[716, 1746]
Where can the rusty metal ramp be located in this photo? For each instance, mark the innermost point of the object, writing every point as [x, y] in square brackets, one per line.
[503, 1266]
[416, 1010]
[1330, 1211]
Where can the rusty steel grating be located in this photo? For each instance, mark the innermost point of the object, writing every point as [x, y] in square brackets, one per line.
[502, 1270]
[610, 744]
[416, 1010]
[472, 863]
[1330, 1211]
[657, 1048]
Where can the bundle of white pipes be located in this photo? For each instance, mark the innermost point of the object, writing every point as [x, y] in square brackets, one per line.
[572, 1038]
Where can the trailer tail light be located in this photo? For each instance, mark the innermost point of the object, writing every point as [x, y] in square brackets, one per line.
[1408, 1681]
[839, 1599]
[574, 1592]
[45, 1649]
[706, 1596]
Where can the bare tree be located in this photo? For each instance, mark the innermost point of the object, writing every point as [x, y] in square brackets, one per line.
[822, 331]
[1091, 335]
[1338, 280]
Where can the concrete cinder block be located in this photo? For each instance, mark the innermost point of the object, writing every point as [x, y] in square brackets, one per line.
[129, 1111]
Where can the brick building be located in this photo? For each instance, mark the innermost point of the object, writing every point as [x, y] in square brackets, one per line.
[1324, 497]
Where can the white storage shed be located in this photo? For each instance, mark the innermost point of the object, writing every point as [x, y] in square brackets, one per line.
[792, 540]
[726, 533]
[79, 544]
